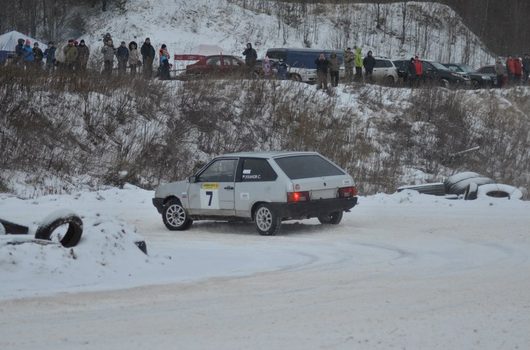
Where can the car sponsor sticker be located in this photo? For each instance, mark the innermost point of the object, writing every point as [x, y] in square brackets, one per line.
[210, 196]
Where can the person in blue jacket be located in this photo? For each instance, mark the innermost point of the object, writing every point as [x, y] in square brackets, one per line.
[28, 56]
[49, 53]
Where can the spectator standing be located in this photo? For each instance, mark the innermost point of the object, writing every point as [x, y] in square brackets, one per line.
[526, 68]
[29, 57]
[358, 64]
[123, 57]
[510, 69]
[266, 66]
[70, 56]
[349, 59]
[411, 76]
[322, 64]
[83, 53]
[500, 71]
[419, 69]
[282, 70]
[38, 55]
[134, 57]
[164, 63]
[148, 57]
[369, 64]
[19, 52]
[334, 68]
[517, 70]
[49, 54]
[250, 58]
[108, 52]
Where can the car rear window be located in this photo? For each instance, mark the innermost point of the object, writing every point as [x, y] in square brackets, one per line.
[307, 166]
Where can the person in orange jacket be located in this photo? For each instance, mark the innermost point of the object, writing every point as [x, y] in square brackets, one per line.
[510, 69]
[517, 70]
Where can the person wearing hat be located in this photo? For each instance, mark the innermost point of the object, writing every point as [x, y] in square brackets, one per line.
[29, 57]
[38, 55]
[49, 54]
[70, 56]
[108, 52]
[134, 56]
[19, 51]
[164, 63]
[83, 52]
[148, 56]
[123, 57]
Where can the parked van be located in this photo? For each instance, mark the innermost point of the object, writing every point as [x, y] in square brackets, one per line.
[302, 62]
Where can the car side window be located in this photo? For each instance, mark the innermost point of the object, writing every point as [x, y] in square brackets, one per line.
[379, 64]
[427, 66]
[221, 170]
[257, 170]
[214, 61]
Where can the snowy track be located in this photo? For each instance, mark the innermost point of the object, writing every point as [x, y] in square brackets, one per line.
[402, 271]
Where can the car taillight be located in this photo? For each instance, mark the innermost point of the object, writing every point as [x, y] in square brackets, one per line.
[347, 192]
[297, 196]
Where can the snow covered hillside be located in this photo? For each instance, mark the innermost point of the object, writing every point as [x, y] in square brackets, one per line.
[150, 132]
[433, 31]
[401, 271]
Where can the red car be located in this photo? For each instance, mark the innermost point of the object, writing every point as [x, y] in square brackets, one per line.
[213, 65]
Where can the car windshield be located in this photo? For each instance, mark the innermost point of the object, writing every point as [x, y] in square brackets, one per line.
[467, 68]
[307, 166]
[438, 66]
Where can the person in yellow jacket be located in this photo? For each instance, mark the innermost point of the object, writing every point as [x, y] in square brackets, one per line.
[358, 60]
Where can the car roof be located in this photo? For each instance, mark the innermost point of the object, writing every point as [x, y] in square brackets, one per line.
[303, 49]
[270, 154]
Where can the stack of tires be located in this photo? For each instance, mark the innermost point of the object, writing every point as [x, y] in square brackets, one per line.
[472, 186]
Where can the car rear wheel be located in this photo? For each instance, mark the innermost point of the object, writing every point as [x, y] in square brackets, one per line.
[331, 218]
[390, 80]
[295, 77]
[175, 216]
[267, 221]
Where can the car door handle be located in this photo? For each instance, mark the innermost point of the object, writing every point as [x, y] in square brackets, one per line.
[229, 188]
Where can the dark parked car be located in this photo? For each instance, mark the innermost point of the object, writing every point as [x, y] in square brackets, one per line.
[434, 73]
[489, 71]
[478, 80]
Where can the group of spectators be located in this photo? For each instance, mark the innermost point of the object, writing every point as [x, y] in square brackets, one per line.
[75, 57]
[352, 59]
[513, 71]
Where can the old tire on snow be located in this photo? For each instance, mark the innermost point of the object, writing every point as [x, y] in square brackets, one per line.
[175, 217]
[53, 221]
[471, 192]
[331, 218]
[267, 220]
[461, 186]
[499, 191]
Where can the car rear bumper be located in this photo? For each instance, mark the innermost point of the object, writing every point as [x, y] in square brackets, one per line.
[159, 204]
[313, 208]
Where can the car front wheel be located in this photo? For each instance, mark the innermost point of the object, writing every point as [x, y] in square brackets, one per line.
[175, 216]
[331, 218]
[267, 221]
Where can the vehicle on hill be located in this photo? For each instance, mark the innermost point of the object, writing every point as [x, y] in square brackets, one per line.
[266, 188]
[385, 71]
[302, 62]
[489, 71]
[478, 80]
[434, 73]
[213, 65]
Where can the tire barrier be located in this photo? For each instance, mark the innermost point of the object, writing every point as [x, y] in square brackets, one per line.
[73, 234]
[11, 228]
[499, 191]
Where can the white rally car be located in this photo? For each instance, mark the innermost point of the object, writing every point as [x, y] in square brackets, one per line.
[266, 188]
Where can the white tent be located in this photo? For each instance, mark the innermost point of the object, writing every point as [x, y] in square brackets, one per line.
[9, 40]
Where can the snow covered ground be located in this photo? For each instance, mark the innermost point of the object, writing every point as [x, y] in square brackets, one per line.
[404, 271]
[431, 30]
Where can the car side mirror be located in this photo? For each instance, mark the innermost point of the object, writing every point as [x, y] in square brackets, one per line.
[192, 179]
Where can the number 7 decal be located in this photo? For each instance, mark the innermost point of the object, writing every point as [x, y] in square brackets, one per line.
[209, 194]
